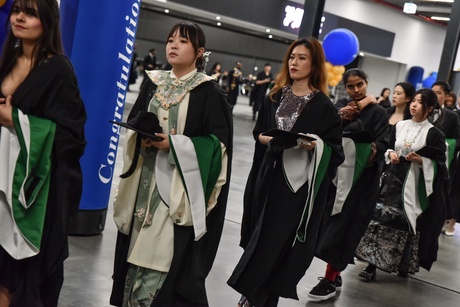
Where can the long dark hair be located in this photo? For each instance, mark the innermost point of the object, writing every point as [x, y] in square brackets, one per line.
[49, 44]
[409, 91]
[318, 75]
[195, 35]
[383, 91]
[428, 99]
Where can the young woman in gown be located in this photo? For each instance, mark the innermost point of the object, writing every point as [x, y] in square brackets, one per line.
[403, 233]
[42, 119]
[171, 202]
[282, 211]
[352, 197]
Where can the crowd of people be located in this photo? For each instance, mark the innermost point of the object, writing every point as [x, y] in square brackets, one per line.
[364, 178]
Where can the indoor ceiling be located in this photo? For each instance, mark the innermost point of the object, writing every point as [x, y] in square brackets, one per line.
[426, 9]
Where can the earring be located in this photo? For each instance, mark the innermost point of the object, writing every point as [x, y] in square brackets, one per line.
[17, 43]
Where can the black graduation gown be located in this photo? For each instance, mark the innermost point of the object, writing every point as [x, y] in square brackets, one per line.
[450, 125]
[341, 233]
[208, 112]
[50, 91]
[272, 212]
[430, 222]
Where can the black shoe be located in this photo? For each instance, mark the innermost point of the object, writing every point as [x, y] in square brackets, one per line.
[323, 290]
[338, 283]
[369, 276]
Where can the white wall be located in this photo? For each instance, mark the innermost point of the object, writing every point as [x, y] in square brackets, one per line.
[417, 42]
[382, 73]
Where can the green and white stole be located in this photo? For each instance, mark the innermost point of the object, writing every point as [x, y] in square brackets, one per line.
[417, 189]
[348, 173]
[24, 184]
[301, 166]
[199, 162]
[450, 151]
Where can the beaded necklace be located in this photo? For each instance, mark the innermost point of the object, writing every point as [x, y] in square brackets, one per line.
[411, 135]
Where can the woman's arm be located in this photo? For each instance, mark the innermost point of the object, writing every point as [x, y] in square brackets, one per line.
[6, 118]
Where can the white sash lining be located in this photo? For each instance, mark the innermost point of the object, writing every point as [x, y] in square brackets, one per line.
[11, 238]
[411, 200]
[190, 170]
[345, 173]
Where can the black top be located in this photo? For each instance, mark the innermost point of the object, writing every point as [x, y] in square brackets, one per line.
[51, 91]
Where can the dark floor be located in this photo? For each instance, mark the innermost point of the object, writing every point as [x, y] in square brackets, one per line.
[88, 269]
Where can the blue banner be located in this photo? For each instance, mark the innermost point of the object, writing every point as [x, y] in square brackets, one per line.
[100, 36]
[5, 6]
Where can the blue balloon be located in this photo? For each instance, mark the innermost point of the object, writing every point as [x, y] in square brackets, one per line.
[341, 46]
[428, 82]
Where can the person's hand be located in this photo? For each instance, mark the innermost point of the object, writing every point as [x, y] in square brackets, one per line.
[161, 145]
[6, 110]
[394, 157]
[264, 140]
[307, 144]
[369, 99]
[413, 157]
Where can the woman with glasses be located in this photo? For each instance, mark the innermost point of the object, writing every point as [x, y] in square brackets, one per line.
[352, 197]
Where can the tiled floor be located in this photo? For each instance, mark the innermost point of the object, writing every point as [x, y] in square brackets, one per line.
[89, 267]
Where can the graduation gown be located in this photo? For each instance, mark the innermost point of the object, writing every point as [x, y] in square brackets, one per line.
[449, 124]
[374, 248]
[208, 112]
[274, 260]
[50, 92]
[341, 232]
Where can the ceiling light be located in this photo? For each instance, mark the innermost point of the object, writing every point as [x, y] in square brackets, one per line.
[270, 36]
[267, 30]
[410, 8]
[218, 17]
[166, 11]
[219, 24]
[440, 18]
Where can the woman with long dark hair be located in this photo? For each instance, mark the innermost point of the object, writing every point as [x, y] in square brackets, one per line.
[410, 212]
[42, 121]
[402, 97]
[352, 197]
[384, 99]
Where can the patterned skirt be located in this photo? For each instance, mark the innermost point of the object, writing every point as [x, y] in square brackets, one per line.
[387, 243]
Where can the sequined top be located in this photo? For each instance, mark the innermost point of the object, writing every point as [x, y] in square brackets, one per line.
[290, 108]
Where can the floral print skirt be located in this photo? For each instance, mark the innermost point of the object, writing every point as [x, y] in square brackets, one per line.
[142, 286]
